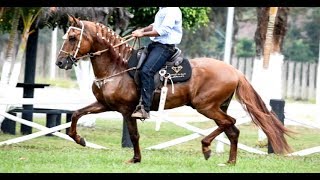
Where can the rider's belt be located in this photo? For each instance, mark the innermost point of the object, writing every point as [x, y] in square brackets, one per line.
[168, 45]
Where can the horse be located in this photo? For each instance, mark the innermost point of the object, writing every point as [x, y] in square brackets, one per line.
[209, 90]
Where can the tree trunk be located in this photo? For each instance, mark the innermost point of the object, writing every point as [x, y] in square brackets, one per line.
[7, 65]
[12, 76]
[267, 81]
[280, 29]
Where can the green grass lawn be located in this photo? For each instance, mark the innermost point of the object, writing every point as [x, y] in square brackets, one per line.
[55, 155]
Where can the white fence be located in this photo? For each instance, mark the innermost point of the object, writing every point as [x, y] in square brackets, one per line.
[298, 78]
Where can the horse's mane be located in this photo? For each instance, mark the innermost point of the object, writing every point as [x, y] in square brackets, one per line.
[109, 38]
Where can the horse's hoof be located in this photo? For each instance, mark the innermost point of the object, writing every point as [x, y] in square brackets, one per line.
[207, 154]
[82, 142]
[233, 162]
[131, 161]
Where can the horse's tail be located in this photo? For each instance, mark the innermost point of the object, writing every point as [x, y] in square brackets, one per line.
[262, 117]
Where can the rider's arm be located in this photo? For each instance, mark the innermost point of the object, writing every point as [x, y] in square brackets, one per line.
[146, 31]
[148, 28]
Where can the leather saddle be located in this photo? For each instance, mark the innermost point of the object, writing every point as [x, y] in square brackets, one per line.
[178, 67]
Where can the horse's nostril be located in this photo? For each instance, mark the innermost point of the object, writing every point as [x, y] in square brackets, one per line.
[59, 63]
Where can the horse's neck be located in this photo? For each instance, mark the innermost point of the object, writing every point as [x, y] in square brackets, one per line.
[104, 66]
[115, 58]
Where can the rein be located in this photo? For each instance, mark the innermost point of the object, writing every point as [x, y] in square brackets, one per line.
[102, 81]
[104, 50]
[74, 59]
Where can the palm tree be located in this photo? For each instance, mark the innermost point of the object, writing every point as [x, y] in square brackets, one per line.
[271, 27]
[280, 29]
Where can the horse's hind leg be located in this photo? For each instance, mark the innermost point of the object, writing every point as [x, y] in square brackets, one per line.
[233, 135]
[222, 120]
[92, 108]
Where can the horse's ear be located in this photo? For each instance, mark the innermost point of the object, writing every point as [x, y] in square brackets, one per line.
[73, 20]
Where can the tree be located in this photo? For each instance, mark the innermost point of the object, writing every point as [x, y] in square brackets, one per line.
[279, 32]
[11, 68]
[10, 18]
[312, 31]
[245, 48]
[271, 24]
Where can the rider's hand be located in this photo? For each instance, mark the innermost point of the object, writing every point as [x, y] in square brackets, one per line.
[137, 33]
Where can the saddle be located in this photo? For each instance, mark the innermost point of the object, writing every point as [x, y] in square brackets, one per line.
[178, 67]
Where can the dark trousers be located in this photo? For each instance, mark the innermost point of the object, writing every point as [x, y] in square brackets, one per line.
[157, 57]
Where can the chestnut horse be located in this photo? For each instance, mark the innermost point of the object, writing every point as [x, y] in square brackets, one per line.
[209, 90]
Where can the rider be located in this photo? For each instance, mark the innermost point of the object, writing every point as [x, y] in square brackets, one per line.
[165, 33]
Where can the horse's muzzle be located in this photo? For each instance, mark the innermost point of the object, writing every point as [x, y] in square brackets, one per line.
[64, 63]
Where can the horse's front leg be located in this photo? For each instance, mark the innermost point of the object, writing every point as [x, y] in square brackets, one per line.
[134, 136]
[95, 107]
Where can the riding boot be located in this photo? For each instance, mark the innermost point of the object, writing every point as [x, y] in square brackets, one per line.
[140, 112]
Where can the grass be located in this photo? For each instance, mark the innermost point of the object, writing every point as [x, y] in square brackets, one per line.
[55, 155]
[58, 82]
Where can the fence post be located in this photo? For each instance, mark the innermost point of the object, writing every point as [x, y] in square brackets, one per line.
[277, 105]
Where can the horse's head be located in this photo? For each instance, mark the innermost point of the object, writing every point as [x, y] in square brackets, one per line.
[76, 44]
[92, 39]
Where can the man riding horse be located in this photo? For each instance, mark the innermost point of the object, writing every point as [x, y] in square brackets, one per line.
[165, 33]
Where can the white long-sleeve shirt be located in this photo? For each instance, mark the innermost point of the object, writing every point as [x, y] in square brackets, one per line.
[168, 24]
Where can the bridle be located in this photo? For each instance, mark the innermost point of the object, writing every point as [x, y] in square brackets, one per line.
[74, 57]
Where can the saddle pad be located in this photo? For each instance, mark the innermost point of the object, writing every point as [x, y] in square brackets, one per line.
[180, 73]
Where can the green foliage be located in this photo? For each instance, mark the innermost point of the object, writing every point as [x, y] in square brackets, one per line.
[196, 44]
[298, 50]
[245, 48]
[6, 19]
[143, 16]
[301, 43]
[312, 31]
[296, 47]
[195, 17]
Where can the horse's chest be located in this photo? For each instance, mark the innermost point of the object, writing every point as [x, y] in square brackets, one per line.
[110, 92]
[116, 94]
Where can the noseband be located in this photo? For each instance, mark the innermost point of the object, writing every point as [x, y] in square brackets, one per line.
[73, 57]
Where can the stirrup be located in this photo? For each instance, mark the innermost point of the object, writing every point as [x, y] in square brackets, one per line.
[139, 106]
